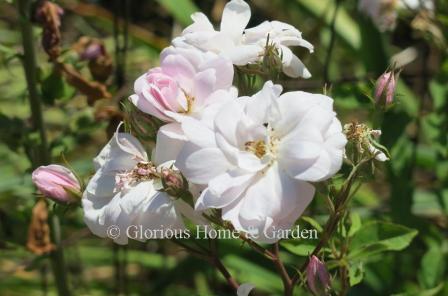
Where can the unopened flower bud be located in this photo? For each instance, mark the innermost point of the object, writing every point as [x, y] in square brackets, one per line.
[318, 278]
[173, 182]
[385, 89]
[57, 183]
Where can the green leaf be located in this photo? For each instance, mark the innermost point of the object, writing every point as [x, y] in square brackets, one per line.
[376, 237]
[345, 26]
[313, 223]
[248, 272]
[355, 226]
[432, 266]
[53, 88]
[356, 273]
[300, 249]
[181, 10]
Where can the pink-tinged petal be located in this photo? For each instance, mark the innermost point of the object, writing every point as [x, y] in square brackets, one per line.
[223, 70]
[170, 140]
[235, 17]
[180, 69]
[147, 106]
[204, 85]
[53, 181]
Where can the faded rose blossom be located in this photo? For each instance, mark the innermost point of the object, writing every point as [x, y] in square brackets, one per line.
[364, 141]
[385, 88]
[57, 182]
[49, 14]
[94, 51]
[317, 276]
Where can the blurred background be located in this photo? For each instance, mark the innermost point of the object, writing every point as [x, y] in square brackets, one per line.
[108, 44]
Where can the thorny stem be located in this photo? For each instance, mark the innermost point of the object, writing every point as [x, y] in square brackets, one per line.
[41, 155]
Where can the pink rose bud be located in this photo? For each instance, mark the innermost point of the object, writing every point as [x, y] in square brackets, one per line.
[173, 182]
[57, 182]
[318, 277]
[385, 88]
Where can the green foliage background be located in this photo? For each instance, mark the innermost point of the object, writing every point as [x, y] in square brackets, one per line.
[399, 220]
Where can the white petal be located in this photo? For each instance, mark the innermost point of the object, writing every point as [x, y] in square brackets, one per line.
[292, 65]
[204, 85]
[235, 18]
[133, 198]
[200, 165]
[170, 140]
[198, 133]
[200, 23]
[273, 195]
[260, 105]
[244, 54]
[244, 289]
[223, 190]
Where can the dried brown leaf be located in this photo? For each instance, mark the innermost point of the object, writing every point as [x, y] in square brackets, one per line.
[49, 16]
[39, 241]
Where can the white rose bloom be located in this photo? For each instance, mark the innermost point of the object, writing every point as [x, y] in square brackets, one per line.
[259, 156]
[281, 35]
[123, 192]
[244, 46]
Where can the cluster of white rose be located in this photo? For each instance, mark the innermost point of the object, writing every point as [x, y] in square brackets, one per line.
[253, 158]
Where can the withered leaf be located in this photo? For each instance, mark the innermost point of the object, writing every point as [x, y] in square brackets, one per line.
[49, 16]
[39, 241]
[92, 89]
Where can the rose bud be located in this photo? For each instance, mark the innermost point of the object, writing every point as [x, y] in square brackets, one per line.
[385, 88]
[317, 276]
[57, 183]
[173, 182]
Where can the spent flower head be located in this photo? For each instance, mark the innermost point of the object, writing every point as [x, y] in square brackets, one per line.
[363, 140]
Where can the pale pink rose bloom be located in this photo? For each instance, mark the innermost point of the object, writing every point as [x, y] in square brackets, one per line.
[188, 83]
[183, 83]
[56, 182]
